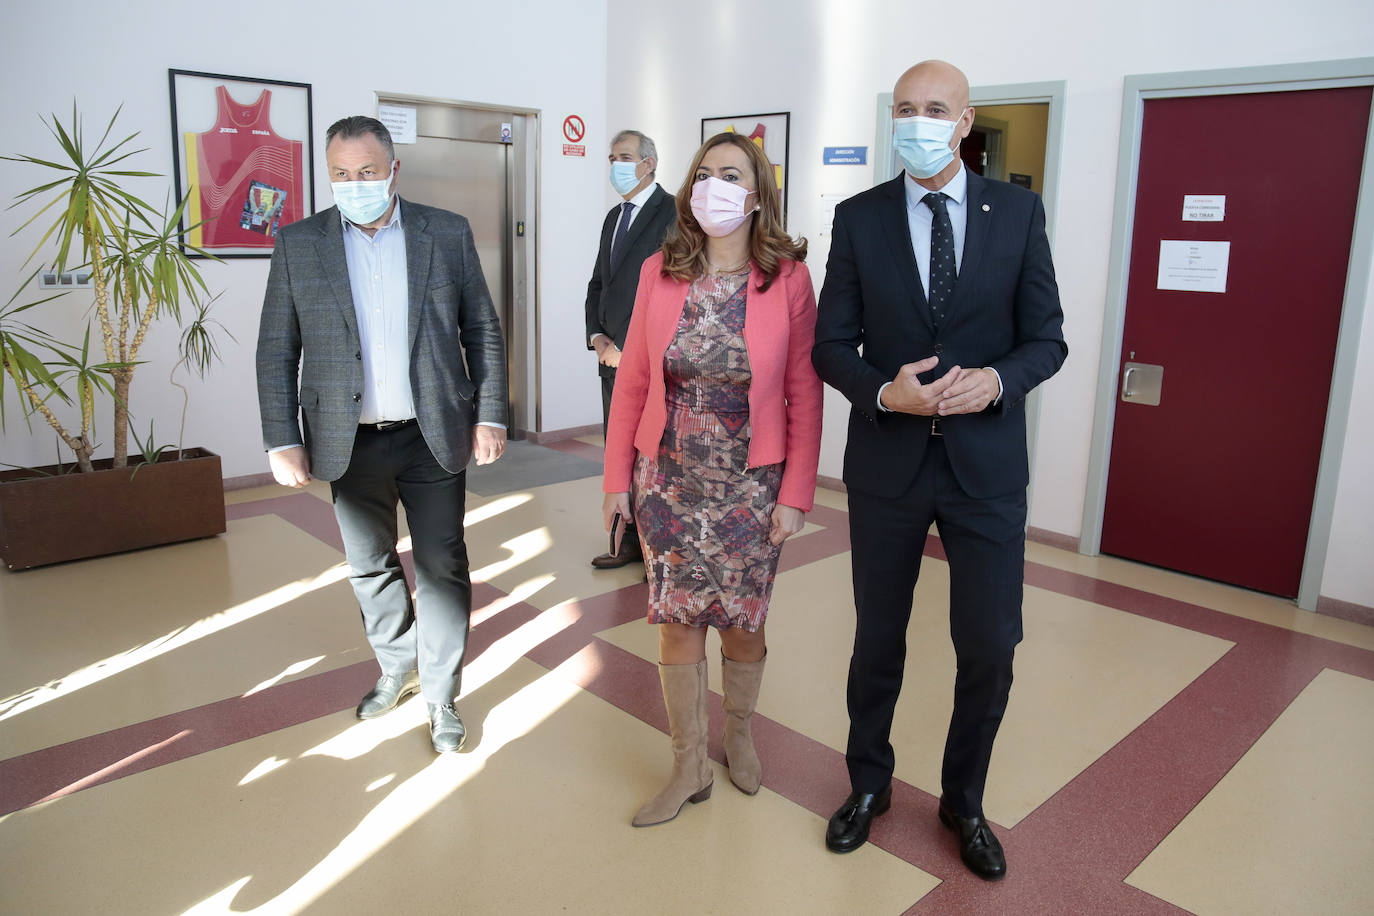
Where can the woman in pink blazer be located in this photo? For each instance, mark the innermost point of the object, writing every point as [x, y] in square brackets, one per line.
[715, 428]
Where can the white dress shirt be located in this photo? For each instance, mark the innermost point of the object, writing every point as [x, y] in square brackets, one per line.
[381, 301]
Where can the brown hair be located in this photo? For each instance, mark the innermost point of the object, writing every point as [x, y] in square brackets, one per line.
[684, 250]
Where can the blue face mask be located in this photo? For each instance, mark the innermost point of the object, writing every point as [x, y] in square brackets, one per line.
[923, 144]
[363, 202]
[623, 177]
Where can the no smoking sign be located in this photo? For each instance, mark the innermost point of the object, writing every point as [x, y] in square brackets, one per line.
[574, 129]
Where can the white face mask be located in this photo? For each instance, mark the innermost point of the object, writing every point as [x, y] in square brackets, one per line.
[363, 202]
[719, 206]
[623, 177]
[923, 144]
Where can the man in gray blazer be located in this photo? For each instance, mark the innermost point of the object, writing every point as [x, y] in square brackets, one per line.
[371, 307]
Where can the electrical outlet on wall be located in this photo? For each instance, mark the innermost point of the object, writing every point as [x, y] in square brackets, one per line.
[70, 279]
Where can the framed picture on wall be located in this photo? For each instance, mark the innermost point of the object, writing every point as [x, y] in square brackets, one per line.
[243, 149]
[770, 131]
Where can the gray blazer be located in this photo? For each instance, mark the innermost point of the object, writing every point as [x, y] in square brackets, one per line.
[309, 332]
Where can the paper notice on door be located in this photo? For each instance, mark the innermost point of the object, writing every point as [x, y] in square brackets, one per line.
[400, 120]
[1204, 208]
[1196, 267]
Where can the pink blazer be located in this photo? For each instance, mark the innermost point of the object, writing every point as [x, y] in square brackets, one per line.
[784, 396]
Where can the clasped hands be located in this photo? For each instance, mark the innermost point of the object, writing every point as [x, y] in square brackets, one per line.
[957, 391]
[607, 353]
[786, 520]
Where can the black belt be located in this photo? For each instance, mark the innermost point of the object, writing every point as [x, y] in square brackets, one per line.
[935, 426]
[386, 426]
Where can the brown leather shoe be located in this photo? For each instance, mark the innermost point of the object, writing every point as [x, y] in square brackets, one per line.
[630, 552]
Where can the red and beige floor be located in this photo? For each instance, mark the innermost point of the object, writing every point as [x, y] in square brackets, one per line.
[177, 736]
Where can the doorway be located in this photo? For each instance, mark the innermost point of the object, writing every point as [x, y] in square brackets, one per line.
[1198, 462]
[481, 161]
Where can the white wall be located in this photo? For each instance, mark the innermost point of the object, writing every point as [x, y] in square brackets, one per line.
[827, 60]
[660, 67]
[544, 55]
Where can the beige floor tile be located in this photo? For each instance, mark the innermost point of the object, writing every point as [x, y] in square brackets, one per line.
[94, 645]
[833, 499]
[337, 816]
[1228, 599]
[538, 543]
[1086, 676]
[1289, 825]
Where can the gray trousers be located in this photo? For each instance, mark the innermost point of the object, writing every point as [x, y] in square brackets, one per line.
[431, 632]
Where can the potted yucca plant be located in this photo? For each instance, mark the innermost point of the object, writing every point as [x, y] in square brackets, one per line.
[140, 273]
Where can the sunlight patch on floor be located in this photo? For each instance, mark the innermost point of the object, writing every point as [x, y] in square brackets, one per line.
[206, 626]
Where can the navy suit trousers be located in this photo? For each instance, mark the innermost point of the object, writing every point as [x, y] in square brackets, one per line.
[984, 542]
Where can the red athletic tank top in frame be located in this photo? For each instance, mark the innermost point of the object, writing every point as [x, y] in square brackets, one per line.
[245, 180]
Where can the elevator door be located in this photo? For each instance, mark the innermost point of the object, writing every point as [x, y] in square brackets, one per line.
[482, 162]
[470, 178]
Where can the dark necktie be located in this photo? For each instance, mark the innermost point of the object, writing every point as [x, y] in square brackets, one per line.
[622, 229]
[942, 269]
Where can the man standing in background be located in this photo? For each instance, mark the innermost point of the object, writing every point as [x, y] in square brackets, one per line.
[632, 231]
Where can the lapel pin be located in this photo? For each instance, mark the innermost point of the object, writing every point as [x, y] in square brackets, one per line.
[987, 208]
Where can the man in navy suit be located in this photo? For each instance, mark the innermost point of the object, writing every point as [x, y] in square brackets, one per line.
[938, 315]
[631, 232]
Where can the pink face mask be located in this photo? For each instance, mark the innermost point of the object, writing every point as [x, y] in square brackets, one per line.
[719, 206]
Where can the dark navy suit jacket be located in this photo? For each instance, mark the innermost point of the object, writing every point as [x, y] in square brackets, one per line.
[611, 293]
[873, 318]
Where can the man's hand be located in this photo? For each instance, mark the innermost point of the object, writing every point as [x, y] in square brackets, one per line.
[906, 394]
[488, 443]
[612, 503]
[975, 390]
[290, 466]
[787, 521]
[607, 353]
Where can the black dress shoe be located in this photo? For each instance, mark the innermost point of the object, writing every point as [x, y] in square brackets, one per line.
[630, 552]
[390, 690]
[848, 828]
[977, 846]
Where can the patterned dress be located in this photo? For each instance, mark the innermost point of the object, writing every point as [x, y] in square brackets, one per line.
[704, 515]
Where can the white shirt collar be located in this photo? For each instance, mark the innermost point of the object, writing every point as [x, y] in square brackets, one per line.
[642, 198]
[956, 189]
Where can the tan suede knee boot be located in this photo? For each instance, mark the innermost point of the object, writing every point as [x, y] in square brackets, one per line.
[741, 681]
[684, 693]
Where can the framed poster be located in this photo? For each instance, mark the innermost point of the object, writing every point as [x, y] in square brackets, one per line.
[243, 150]
[770, 131]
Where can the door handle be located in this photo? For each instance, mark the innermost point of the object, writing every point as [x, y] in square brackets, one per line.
[1149, 381]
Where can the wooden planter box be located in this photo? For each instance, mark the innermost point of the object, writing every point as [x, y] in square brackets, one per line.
[50, 519]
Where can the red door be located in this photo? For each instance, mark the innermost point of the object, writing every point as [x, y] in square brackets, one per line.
[1218, 479]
